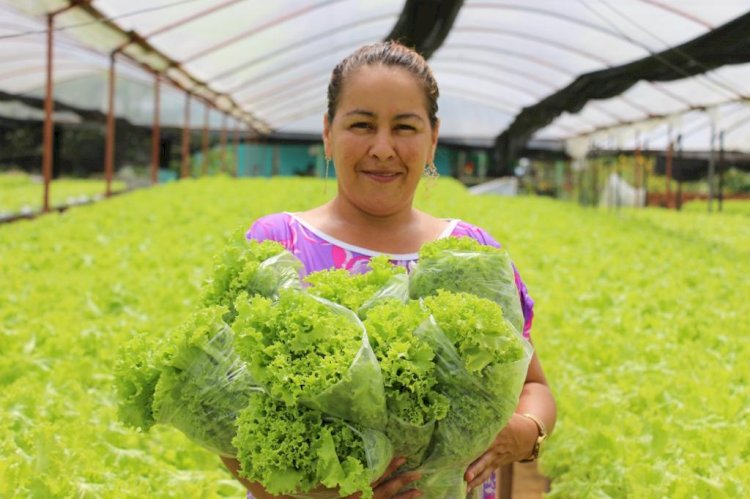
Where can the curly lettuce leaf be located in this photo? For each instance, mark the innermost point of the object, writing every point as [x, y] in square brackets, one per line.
[295, 449]
[136, 374]
[481, 366]
[303, 349]
[409, 374]
[461, 264]
[251, 267]
[203, 383]
[353, 290]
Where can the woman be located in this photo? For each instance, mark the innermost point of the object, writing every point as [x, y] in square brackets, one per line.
[381, 132]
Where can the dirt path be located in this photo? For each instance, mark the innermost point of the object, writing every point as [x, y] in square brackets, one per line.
[527, 482]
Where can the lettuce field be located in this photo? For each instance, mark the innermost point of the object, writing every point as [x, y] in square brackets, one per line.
[21, 193]
[642, 325]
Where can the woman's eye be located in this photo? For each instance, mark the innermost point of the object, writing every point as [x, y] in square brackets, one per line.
[361, 124]
[404, 126]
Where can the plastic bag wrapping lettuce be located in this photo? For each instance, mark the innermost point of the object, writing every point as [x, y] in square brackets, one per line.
[299, 451]
[481, 367]
[396, 288]
[307, 350]
[194, 381]
[251, 267]
[464, 265]
[409, 374]
[352, 290]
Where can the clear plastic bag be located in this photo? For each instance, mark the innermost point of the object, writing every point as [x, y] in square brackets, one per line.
[298, 451]
[277, 273]
[203, 384]
[252, 267]
[396, 288]
[285, 341]
[488, 274]
[481, 404]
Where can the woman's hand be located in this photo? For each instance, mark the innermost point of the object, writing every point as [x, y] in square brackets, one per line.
[514, 442]
[388, 489]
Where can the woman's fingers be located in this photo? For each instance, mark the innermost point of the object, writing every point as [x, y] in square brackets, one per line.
[480, 479]
[392, 467]
[477, 467]
[391, 487]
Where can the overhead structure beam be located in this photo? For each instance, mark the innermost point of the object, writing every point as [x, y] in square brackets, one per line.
[727, 44]
[193, 84]
[424, 24]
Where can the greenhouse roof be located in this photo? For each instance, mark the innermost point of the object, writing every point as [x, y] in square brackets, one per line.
[604, 73]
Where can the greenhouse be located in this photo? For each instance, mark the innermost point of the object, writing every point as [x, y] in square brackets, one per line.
[162, 335]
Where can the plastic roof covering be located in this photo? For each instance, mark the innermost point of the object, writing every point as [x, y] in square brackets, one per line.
[274, 60]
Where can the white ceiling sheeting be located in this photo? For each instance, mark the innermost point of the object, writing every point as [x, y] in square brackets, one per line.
[268, 63]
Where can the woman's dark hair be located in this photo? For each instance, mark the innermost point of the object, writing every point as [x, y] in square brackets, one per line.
[391, 54]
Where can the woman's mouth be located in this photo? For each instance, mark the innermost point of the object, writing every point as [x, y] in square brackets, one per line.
[382, 176]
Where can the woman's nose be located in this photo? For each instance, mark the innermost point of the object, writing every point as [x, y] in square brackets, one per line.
[382, 146]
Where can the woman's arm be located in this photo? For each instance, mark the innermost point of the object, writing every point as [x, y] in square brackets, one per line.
[382, 488]
[517, 439]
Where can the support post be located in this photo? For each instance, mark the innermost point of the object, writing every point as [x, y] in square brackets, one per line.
[48, 129]
[668, 171]
[109, 148]
[185, 170]
[236, 149]
[155, 134]
[711, 167]
[722, 166]
[224, 143]
[204, 163]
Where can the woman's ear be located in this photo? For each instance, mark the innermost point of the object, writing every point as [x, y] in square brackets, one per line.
[435, 133]
[326, 136]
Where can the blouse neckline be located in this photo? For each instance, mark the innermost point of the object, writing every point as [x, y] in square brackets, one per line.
[452, 222]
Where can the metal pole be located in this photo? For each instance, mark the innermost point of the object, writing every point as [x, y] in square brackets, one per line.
[48, 129]
[224, 143]
[711, 168]
[155, 134]
[109, 151]
[668, 170]
[721, 170]
[204, 165]
[678, 196]
[645, 175]
[236, 149]
[638, 169]
[185, 172]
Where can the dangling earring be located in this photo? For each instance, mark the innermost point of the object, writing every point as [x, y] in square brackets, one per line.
[325, 176]
[431, 175]
[431, 171]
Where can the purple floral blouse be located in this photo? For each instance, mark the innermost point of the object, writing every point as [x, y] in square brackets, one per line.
[320, 251]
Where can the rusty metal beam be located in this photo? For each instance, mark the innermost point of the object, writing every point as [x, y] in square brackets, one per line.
[204, 165]
[48, 123]
[184, 173]
[156, 132]
[224, 143]
[236, 149]
[109, 147]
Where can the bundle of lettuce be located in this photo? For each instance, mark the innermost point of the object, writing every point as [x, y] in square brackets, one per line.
[481, 366]
[407, 362]
[320, 418]
[193, 379]
[470, 292]
[314, 387]
[283, 381]
[464, 265]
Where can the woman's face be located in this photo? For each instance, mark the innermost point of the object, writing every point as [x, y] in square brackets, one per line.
[380, 139]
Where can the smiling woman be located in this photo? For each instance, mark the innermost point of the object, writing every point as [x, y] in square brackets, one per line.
[381, 132]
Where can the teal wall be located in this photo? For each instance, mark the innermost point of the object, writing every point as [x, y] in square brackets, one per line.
[290, 159]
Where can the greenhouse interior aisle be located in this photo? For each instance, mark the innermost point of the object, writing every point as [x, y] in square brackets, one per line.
[605, 144]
